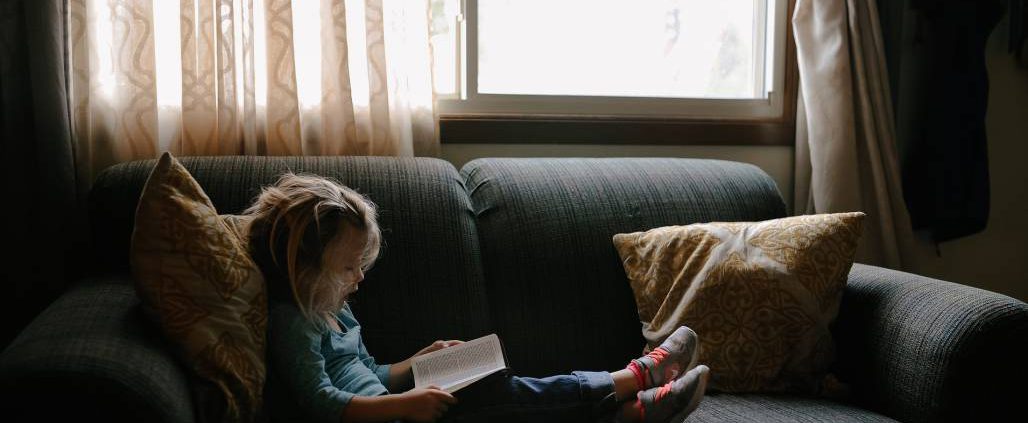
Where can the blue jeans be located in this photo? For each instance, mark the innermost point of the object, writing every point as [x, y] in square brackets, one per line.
[501, 397]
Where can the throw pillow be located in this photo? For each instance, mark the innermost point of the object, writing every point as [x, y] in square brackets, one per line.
[197, 282]
[760, 295]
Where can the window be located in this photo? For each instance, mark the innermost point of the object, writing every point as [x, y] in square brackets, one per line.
[710, 71]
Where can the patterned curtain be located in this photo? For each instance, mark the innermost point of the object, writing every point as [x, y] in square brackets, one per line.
[249, 77]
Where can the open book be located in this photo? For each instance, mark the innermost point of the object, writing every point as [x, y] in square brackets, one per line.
[455, 367]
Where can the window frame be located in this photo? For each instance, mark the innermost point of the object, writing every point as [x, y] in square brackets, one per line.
[493, 118]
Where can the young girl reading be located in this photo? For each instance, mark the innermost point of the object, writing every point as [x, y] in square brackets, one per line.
[314, 238]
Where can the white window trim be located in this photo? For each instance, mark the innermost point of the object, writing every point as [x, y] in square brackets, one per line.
[470, 102]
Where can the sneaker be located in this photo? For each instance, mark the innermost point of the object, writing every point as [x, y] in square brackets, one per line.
[675, 400]
[676, 355]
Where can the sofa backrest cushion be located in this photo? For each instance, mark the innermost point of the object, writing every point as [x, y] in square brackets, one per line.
[430, 257]
[554, 279]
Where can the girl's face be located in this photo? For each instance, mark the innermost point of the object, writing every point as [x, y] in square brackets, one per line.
[343, 258]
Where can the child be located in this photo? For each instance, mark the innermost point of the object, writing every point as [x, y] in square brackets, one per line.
[313, 240]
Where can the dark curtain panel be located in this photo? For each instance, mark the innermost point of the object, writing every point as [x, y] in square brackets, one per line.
[1018, 31]
[891, 15]
[936, 57]
[44, 226]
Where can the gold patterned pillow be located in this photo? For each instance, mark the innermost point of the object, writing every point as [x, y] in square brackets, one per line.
[760, 295]
[196, 280]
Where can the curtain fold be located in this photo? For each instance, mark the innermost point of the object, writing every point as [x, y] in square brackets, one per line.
[249, 77]
[44, 226]
[846, 158]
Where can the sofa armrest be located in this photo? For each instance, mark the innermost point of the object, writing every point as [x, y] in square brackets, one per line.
[922, 349]
[93, 354]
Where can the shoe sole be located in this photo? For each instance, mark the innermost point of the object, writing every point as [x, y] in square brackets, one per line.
[695, 401]
[692, 360]
[695, 353]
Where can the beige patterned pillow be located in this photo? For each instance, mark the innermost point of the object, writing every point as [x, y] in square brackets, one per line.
[760, 295]
[197, 282]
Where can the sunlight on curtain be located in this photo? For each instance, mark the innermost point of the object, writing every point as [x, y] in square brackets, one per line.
[102, 35]
[168, 71]
[355, 30]
[260, 54]
[264, 77]
[306, 28]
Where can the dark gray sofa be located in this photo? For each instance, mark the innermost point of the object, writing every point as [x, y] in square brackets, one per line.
[521, 247]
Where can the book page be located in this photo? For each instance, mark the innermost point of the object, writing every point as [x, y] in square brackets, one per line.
[455, 367]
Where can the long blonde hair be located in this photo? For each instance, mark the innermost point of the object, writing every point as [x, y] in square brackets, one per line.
[293, 223]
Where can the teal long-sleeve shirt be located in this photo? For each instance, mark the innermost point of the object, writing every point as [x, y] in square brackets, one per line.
[321, 370]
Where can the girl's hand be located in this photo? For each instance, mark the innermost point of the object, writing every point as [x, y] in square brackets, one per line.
[426, 404]
[438, 345]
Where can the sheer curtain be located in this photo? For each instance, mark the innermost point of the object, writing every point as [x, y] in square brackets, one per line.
[249, 77]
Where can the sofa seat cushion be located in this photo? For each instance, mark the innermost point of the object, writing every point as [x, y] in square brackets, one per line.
[723, 407]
